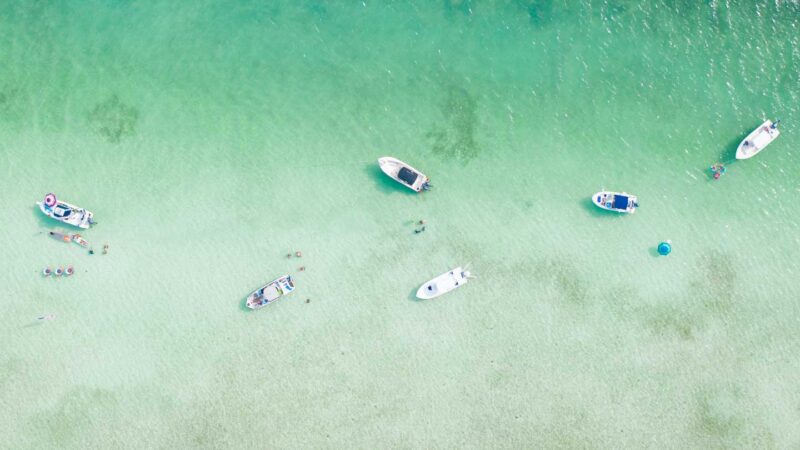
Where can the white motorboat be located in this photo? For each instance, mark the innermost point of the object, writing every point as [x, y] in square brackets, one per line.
[616, 201]
[404, 174]
[758, 140]
[66, 212]
[270, 292]
[444, 283]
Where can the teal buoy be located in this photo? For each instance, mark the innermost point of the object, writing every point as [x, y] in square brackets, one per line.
[664, 248]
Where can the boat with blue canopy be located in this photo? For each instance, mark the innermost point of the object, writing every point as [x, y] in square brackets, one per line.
[404, 174]
[616, 201]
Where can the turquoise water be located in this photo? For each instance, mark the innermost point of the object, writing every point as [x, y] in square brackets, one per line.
[211, 139]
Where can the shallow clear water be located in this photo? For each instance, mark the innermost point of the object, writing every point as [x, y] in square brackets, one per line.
[210, 139]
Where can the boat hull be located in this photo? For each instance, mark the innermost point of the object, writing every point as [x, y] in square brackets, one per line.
[610, 201]
[757, 140]
[393, 167]
[443, 284]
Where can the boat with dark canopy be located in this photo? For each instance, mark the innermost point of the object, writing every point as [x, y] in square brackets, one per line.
[66, 212]
[404, 174]
[616, 201]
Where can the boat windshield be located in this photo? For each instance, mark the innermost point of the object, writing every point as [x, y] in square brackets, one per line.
[407, 175]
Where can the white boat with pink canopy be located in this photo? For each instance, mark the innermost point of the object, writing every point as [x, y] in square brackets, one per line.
[66, 212]
[758, 140]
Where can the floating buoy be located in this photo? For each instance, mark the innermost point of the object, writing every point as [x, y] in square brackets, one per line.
[46, 272]
[69, 271]
[664, 248]
[50, 200]
[59, 271]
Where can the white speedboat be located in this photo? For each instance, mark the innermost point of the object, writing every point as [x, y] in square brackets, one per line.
[66, 212]
[758, 139]
[616, 201]
[270, 292]
[404, 174]
[443, 284]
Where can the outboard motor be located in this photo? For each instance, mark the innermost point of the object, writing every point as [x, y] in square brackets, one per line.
[775, 124]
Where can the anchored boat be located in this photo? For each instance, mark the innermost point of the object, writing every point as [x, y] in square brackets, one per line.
[404, 174]
[758, 140]
[616, 201]
[270, 292]
[66, 212]
[444, 283]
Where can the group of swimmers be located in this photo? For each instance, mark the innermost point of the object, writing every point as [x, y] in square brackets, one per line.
[717, 170]
[420, 230]
[298, 254]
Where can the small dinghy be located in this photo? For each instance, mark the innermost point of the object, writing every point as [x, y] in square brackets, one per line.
[404, 174]
[443, 284]
[65, 212]
[758, 140]
[270, 292]
[76, 238]
[616, 201]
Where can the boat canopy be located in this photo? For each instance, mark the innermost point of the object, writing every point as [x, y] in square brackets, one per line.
[407, 175]
[620, 202]
[271, 292]
[61, 211]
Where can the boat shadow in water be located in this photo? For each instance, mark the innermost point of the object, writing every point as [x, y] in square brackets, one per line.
[49, 224]
[596, 211]
[384, 183]
[412, 296]
[243, 306]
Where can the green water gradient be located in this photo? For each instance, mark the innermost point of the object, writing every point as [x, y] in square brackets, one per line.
[212, 138]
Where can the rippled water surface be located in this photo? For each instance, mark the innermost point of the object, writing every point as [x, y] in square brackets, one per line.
[212, 138]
